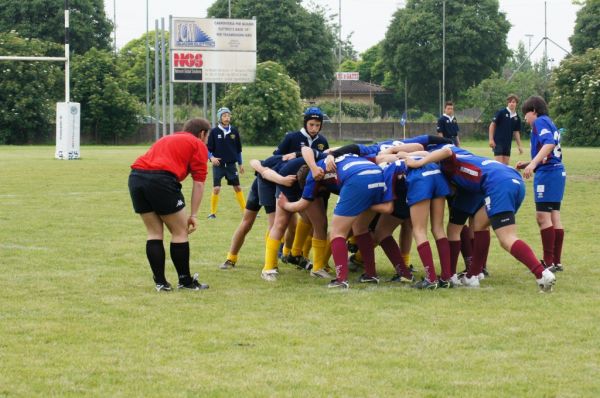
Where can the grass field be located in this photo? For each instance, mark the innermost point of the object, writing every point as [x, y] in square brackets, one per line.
[79, 315]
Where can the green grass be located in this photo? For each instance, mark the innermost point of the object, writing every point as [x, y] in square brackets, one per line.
[79, 315]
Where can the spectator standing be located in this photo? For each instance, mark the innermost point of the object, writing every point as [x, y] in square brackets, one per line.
[225, 150]
[447, 126]
[505, 125]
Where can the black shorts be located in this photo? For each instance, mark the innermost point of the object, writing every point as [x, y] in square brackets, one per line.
[502, 149]
[547, 207]
[227, 170]
[252, 203]
[266, 192]
[155, 191]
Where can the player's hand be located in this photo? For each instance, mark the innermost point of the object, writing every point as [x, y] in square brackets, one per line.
[215, 161]
[318, 173]
[412, 163]
[288, 156]
[528, 171]
[192, 224]
[288, 181]
[521, 165]
[492, 144]
[520, 150]
[241, 168]
[330, 164]
[282, 201]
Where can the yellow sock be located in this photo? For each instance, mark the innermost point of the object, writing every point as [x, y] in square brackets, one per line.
[271, 249]
[214, 201]
[319, 254]
[358, 256]
[286, 251]
[352, 240]
[307, 245]
[239, 196]
[302, 231]
[406, 258]
[232, 257]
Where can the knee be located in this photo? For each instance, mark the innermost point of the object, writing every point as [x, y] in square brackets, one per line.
[216, 190]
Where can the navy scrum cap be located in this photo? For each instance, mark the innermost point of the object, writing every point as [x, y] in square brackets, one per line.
[221, 111]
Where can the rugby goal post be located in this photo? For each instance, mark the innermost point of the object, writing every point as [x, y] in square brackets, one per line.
[67, 113]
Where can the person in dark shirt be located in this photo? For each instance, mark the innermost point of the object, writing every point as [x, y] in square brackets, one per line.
[447, 126]
[308, 136]
[225, 150]
[505, 125]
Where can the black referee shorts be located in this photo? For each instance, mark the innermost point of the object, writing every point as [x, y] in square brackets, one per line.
[155, 191]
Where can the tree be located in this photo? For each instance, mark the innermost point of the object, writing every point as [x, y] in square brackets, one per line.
[266, 109]
[576, 84]
[108, 111]
[475, 47]
[290, 35]
[29, 90]
[44, 20]
[371, 65]
[587, 28]
[490, 94]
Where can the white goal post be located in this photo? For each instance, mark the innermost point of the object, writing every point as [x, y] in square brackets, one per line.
[67, 113]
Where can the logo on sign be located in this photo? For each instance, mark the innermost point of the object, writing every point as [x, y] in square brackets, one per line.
[189, 34]
[190, 60]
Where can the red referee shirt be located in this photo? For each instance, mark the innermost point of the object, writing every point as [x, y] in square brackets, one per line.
[180, 153]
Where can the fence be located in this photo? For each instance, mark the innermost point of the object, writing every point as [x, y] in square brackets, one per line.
[358, 132]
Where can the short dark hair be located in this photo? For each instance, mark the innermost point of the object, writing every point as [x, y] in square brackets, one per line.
[535, 104]
[448, 103]
[196, 126]
[512, 97]
[301, 175]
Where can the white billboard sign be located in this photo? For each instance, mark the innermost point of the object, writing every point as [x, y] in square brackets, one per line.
[347, 76]
[209, 50]
[213, 66]
[211, 34]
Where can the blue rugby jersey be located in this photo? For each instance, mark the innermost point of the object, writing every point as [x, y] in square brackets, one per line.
[475, 173]
[545, 132]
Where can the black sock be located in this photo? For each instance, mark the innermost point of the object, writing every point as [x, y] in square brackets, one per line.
[155, 252]
[180, 254]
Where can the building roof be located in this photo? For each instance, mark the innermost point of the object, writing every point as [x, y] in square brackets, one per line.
[356, 87]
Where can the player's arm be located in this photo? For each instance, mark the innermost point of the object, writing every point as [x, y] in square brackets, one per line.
[432, 157]
[309, 157]
[540, 158]
[292, 207]
[272, 175]
[517, 137]
[491, 131]
[403, 148]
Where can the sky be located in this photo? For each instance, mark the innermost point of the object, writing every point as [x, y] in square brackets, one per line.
[369, 19]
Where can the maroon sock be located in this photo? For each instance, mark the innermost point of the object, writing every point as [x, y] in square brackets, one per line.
[426, 256]
[559, 236]
[486, 250]
[443, 248]
[548, 237]
[466, 245]
[367, 249]
[339, 251]
[454, 252]
[522, 252]
[392, 251]
[481, 244]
